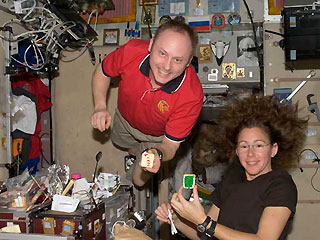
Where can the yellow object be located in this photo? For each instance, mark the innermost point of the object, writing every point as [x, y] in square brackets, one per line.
[114, 192]
[48, 225]
[19, 202]
[68, 187]
[67, 227]
[16, 146]
[198, 3]
[11, 229]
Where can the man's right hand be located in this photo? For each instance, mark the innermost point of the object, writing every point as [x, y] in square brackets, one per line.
[101, 119]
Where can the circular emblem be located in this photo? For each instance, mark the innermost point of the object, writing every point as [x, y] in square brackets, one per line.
[234, 19]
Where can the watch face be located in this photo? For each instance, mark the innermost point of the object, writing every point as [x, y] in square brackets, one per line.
[201, 228]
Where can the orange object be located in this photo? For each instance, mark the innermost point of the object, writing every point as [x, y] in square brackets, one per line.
[16, 146]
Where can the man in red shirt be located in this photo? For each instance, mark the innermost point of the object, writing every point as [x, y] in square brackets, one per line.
[159, 96]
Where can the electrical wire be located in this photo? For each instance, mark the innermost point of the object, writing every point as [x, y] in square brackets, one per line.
[96, 18]
[44, 31]
[314, 160]
[51, 31]
[260, 59]
[36, 50]
[308, 149]
[30, 9]
[72, 58]
[311, 181]
[315, 3]
[121, 223]
[41, 151]
[273, 32]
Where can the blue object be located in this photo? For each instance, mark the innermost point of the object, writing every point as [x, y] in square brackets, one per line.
[32, 163]
[282, 93]
[30, 55]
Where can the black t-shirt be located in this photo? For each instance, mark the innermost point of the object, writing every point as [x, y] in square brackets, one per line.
[242, 202]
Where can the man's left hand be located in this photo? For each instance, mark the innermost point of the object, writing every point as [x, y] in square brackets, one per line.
[156, 162]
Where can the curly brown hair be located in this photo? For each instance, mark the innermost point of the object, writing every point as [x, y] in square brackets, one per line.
[279, 121]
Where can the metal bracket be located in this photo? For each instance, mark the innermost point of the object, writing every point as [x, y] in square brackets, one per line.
[313, 106]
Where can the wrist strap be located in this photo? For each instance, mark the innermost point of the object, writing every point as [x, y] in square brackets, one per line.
[204, 236]
[159, 153]
[211, 230]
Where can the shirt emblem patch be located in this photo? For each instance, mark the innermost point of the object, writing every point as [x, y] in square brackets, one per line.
[163, 106]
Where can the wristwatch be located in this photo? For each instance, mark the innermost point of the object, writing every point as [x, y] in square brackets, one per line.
[159, 153]
[202, 227]
[211, 230]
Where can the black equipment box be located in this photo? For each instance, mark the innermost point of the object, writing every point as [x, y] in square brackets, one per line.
[301, 32]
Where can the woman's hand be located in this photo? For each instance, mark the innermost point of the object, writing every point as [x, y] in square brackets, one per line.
[162, 213]
[191, 211]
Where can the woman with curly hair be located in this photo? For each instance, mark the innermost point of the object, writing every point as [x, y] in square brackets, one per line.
[257, 198]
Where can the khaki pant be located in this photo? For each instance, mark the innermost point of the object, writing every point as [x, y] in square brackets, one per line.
[125, 136]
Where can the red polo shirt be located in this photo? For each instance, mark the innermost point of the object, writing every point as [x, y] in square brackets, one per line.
[171, 110]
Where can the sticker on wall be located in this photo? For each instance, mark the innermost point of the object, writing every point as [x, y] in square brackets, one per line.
[240, 72]
[198, 10]
[204, 54]
[218, 21]
[213, 76]
[228, 71]
[205, 69]
[148, 15]
[234, 19]
[219, 50]
[164, 19]
[247, 52]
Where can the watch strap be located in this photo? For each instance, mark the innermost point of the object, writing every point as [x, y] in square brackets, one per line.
[211, 230]
[159, 153]
[204, 224]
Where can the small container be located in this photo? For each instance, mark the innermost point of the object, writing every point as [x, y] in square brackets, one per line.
[75, 176]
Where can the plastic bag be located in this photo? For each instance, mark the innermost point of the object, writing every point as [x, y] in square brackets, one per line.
[124, 232]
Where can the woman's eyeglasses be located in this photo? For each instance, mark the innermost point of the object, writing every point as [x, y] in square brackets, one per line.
[259, 147]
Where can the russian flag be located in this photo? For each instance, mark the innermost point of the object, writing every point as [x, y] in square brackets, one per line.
[200, 24]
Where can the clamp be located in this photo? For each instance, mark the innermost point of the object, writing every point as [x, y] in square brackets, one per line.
[313, 106]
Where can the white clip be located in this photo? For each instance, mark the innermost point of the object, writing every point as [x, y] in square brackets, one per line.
[173, 227]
